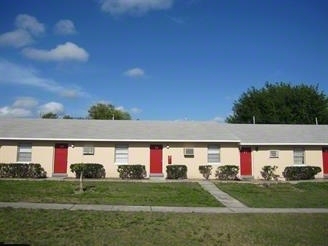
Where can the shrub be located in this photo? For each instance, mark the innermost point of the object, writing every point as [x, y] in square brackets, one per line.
[268, 172]
[90, 170]
[205, 170]
[132, 171]
[176, 172]
[227, 172]
[300, 172]
[22, 170]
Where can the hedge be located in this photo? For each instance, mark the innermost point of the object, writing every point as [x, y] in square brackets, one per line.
[268, 172]
[205, 170]
[227, 172]
[176, 172]
[22, 170]
[90, 170]
[300, 172]
[132, 171]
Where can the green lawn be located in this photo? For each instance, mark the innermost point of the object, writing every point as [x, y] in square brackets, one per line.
[281, 195]
[53, 227]
[119, 193]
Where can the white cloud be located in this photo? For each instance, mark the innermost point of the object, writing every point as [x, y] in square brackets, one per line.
[219, 119]
[177, 20]
[16, 74]
[29, 23]
[26, 27]
[136, 7]
[63, 52]
[65, 27]
[121, 108]
[17, 38]
[136, 110]
[52, 107]
[134, 72]
[25, 102]
[14, 112]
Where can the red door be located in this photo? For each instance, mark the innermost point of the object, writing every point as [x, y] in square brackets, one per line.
[246, 162]
[325, 160]
[60, 165]
[156, 158]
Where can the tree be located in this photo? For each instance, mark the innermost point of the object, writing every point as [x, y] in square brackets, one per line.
[102, 111]
[49, 115]
[281, 103]
[67, 117]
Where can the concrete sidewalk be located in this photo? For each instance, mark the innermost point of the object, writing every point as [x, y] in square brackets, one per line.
[161, 209]
[232, 206]
[221, 196]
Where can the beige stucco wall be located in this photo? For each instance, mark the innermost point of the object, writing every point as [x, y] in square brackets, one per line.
[42, 152]
[8, 152]
[139, 153]
[229, 154]
[261, 157]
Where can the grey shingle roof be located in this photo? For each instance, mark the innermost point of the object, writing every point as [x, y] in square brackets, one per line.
[280, 134]
[108, 130]
[152, 131]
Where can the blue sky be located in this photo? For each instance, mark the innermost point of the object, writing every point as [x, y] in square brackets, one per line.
[156, 59]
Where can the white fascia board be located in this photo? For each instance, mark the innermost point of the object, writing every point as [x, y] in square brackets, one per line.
[123, 140]
[270, 144]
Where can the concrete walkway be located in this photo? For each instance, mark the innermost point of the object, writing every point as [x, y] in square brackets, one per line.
[231, 206]
[221, 196]
[213, 210]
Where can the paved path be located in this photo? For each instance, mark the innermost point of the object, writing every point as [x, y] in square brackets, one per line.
[221, 196]
[232, 206]
[213, 210]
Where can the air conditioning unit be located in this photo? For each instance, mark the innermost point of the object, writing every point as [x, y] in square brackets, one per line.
[274, 153]
[88, 150]
[188, 151]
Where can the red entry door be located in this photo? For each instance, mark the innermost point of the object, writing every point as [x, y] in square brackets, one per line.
[325, 160]
[60, 165]
[156, 155]
[246, 162]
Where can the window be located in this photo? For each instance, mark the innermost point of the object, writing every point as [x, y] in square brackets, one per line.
[24, 153]
[274, 153]
[121, 154]
[88, 150]
[213, 154]
[299, 156]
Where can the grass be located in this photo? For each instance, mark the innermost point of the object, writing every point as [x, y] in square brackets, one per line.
[52, 227]
[116, 193]
[281, 195]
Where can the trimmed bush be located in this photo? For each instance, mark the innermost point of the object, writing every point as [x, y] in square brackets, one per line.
[90, 170]
[176, 172]
[205, 170]
[268, 173]
[22, 170]
[132, 171]
[300, 172]
[227, 172]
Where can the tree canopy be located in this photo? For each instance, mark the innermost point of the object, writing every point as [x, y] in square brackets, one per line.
[49, 115]
[281, 103]
[102, 111]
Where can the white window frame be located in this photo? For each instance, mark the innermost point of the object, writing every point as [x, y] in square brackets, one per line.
[88, 149]
[213, 154]
[24, 149]
[121, 154]
[299, 153]
[274, 154]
